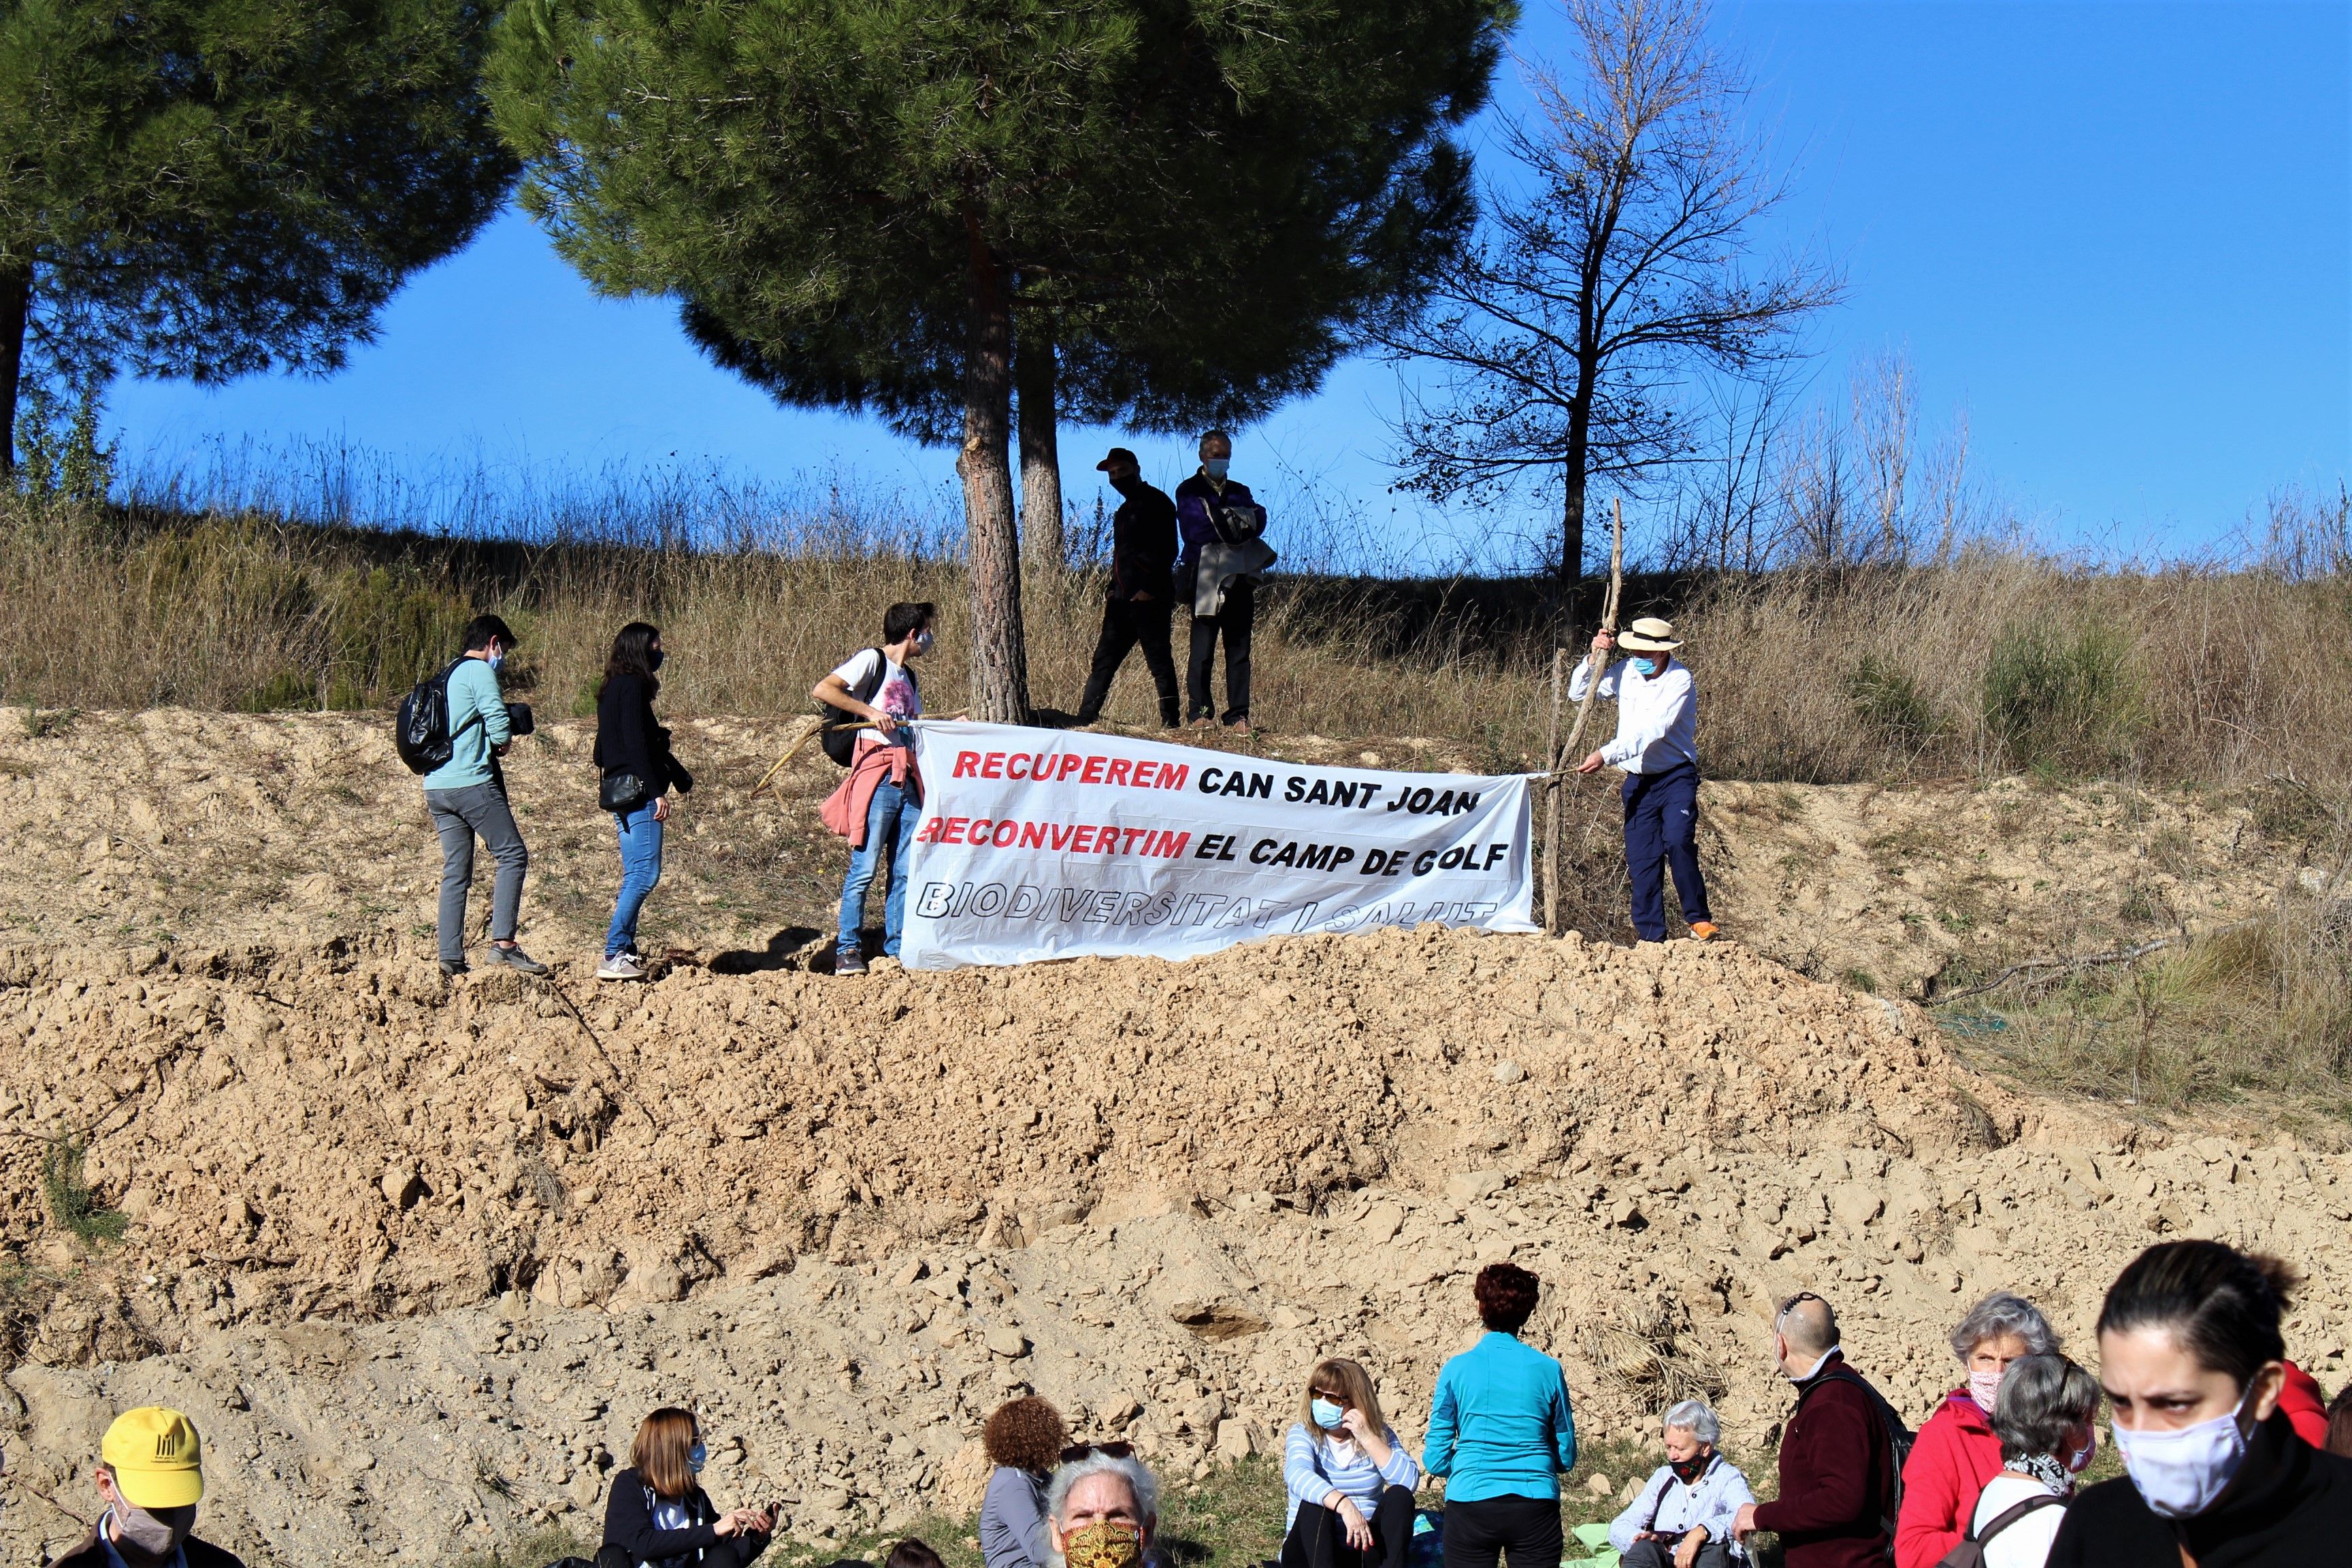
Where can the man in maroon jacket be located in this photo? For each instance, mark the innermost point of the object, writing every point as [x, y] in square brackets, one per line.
[1836, 1506]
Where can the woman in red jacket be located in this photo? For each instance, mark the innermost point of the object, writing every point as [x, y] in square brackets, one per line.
[1957, 1452]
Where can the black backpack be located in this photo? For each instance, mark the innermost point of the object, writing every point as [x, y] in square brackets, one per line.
[841, 743]
[1971, 1552]
[420, 733]
[1899, 1438]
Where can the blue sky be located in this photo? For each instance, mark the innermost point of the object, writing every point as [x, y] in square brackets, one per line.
[2116, 237]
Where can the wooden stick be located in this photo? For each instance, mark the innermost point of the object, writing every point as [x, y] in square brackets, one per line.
[1607, 624]
[1551, 804]
[810, 728]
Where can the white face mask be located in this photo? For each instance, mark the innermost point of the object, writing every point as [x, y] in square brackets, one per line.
[2080, 1460]
[923, 640]
[1984, 1387]
[2181, 1473]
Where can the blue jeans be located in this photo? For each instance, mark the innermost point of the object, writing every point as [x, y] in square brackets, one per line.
[891, 803]
[1661, 831]
[641, 845]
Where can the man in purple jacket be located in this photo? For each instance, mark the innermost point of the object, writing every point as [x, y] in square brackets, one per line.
[1201, 501]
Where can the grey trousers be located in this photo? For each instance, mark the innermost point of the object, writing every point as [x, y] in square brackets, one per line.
[457, 816]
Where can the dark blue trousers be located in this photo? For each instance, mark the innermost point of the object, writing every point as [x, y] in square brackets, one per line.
[1662, 831]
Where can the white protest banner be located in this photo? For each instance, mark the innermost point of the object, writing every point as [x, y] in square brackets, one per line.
[1039, 844]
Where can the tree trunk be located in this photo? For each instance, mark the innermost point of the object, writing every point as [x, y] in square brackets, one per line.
[1042, 547]
[1571, 512]
[999, 659]
[15, 310]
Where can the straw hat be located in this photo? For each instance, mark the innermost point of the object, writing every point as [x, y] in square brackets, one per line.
[1650, 635]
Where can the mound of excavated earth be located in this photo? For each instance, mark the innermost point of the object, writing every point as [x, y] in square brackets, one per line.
[417, 1259]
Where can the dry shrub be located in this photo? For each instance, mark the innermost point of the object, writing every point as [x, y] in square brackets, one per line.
[1995, 662]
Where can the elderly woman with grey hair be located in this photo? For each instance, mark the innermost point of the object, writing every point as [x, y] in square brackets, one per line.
[2045, 1418]
[1683, 1517]
[1102, 1509]
[1957, 1452]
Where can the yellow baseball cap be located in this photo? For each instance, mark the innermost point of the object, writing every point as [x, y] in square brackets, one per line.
[156, 1457]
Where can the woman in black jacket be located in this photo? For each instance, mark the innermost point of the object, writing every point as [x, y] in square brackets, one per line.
[2192, 1359]
[638, 771]
[659, 1516]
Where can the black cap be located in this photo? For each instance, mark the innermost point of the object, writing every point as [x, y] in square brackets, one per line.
[1119, 455]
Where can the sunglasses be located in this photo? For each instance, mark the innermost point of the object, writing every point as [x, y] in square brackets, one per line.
[1077, 1451]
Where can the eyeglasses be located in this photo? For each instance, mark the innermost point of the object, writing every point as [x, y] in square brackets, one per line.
[1077, 1451]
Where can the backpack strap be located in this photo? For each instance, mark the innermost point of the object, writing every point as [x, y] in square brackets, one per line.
[2011, 1514]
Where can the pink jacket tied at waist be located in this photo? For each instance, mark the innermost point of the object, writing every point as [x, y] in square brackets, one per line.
[844, 810]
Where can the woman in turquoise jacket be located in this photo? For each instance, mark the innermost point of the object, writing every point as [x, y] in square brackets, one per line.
[1501, 1432]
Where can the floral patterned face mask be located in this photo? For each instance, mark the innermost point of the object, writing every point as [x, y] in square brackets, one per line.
[1106, 1544]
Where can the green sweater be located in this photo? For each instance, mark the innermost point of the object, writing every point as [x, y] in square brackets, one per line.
[477, 722]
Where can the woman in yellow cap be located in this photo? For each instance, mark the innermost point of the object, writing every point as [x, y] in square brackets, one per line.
[151, 1474]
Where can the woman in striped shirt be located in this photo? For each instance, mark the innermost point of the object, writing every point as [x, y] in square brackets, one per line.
[1350, 1481]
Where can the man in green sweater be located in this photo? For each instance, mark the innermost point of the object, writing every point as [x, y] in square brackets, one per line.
[468, 796]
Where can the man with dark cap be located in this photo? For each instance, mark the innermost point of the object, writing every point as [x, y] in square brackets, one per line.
[1142, 554]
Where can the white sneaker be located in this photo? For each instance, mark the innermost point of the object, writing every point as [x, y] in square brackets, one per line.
[621, 966]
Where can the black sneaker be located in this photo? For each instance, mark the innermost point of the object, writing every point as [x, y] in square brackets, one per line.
[849, 962]
[453, 967]
[514, 958]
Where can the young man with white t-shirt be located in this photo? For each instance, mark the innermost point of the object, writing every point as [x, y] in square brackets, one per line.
[884, 764]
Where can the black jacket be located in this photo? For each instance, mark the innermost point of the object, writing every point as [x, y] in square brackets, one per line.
[1143, 545]
[628, 740]
[88, 1553]
[2289, 1503]
[629, 1525]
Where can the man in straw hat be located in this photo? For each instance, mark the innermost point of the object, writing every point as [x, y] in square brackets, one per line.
[151, 1474]
[1656, 744]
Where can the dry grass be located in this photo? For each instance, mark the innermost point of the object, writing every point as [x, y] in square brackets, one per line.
[1996, 662]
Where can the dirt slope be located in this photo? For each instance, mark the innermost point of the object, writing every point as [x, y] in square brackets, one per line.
[418, 1256]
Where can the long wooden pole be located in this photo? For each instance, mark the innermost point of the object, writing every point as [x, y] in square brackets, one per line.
[1607, 624]
[1551, 801]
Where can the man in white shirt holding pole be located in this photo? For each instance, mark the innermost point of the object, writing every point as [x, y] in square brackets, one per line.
[1657, 746]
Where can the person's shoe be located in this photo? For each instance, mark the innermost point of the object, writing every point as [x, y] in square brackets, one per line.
[623, 965]
[1705, 930]
[513, 958]
[453, 967]
[1205, 722]
[1240, 726]
[851, 962]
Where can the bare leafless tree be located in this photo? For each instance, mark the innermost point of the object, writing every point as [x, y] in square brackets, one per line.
[1856, 489]
[1614, 266]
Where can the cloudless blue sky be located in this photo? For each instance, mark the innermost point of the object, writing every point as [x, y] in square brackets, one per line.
[2115, 237]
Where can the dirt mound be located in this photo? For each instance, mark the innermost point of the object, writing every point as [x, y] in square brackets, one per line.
[417, 1256]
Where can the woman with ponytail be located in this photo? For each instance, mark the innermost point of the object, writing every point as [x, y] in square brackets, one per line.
[2193, 1360]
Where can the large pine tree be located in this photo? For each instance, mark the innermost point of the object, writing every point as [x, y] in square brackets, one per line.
[857, 199]
[204, 188]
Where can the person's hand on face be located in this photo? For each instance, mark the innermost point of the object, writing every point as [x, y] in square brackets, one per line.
[1359, 1424]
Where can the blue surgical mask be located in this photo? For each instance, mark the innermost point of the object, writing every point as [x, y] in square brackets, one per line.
[1327, 1415]
[694, 1458]
[1216, 467]
[496, 657]
[923, 640]
[1646, 665]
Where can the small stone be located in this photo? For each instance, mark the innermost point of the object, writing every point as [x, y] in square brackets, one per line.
[1470, 1186]
[1600, 1485]
[1625, 1214]
[1008, 1342]
[1508, 1071]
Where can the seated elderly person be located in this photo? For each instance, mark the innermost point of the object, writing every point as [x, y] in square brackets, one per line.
[1684, 1515]
[1102, 1509]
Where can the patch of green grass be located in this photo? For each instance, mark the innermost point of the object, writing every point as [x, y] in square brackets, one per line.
[1861, 980]
[535, 1550]
[71, 1203]
[2065, 706]
[1890, 704]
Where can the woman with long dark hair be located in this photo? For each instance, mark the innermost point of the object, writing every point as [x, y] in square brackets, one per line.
[2193, 1360]
[635, 773]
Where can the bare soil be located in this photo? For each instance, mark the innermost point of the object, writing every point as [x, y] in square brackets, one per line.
[417, 1255]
